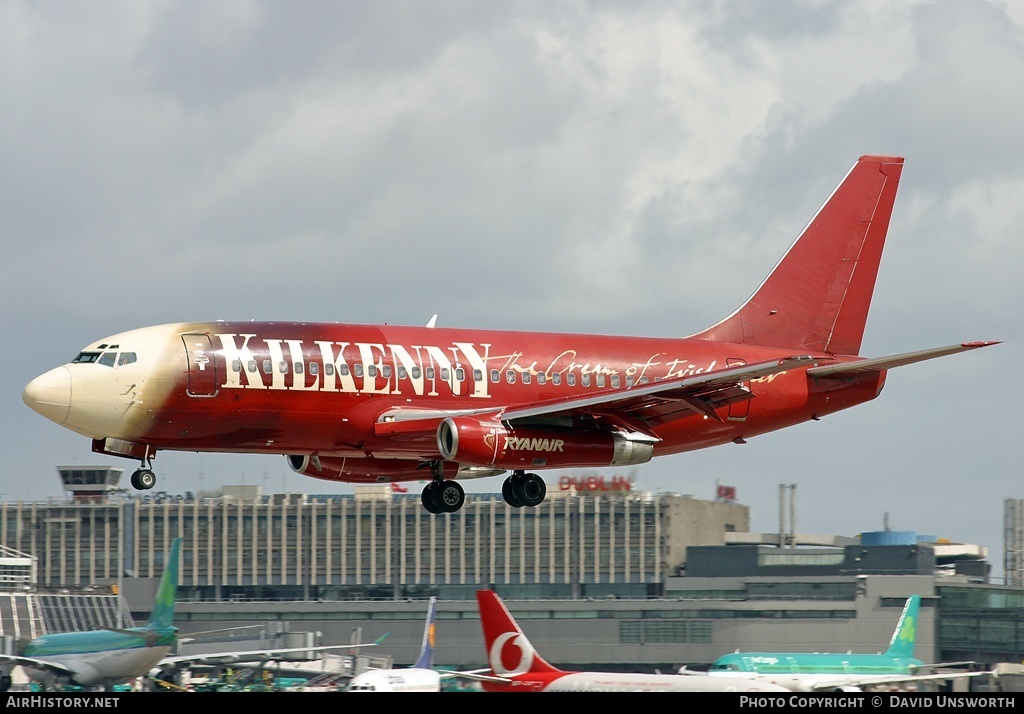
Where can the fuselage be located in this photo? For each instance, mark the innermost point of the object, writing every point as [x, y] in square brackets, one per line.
[98, 657]
[411, 679]
[320, 388]
[808, 672]
[627, 682]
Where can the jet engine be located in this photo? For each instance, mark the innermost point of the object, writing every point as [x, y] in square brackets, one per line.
[494, 443]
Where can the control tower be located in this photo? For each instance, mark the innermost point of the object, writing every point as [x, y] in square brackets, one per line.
[90, 484]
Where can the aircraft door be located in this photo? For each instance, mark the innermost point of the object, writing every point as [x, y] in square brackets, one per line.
[202, 365]
[738, 411]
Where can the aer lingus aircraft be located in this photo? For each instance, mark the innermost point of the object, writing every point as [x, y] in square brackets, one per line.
[383, 403]
[105, 657]
[850, 672]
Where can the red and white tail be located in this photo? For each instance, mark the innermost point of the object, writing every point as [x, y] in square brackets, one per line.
[509, 652]
[817, 298]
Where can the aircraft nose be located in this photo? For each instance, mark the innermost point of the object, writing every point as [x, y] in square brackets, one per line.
[49, 394]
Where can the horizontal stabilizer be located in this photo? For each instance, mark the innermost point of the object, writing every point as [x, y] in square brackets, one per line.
[878, 364]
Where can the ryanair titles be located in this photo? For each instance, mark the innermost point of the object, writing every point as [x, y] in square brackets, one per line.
[460, 368]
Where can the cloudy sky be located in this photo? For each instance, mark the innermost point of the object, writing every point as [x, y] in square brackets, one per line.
[610, 167]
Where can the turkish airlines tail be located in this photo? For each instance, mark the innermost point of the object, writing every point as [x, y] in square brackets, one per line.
[816, 299]
[509, 652]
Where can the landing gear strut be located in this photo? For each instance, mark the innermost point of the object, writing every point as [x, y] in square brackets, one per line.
[441, 495]
[523, 489]
[144, 479]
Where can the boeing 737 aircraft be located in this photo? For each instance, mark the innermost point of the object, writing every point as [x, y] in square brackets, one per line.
[421, 677]
[517, 667]
[103, 658]
[815, 671]
[381, 403]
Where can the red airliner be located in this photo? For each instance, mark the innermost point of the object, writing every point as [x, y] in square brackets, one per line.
[384, 403]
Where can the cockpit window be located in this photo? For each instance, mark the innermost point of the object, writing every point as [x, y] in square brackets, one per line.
[107, 358]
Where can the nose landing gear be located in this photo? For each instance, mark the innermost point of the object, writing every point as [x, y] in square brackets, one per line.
[144, 479]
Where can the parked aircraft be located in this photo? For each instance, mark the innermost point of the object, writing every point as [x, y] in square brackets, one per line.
[104, 657]
[166, 673]
[815, 671]
[518, 667]
[421, 677]
[383, 403]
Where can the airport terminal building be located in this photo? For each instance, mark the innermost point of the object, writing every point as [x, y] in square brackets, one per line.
[599, 576]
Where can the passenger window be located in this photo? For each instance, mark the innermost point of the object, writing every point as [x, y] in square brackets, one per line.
[585, 380]
[385, 371]
[283, 366]
[298, 368]
[460, 374]
[236, 365]
[556, 378]
[430, 372]
[358, 370]
[401, 372]
[267, 369]
[328, 368]
[444, 374]
[313, 368]
[416, 372]
[600, 380]
[570, 379]
[478, 376]
[343, 369]
[510, 376]
[495, 376]
[629, 381]
[251, 367]
[541, 378]
[371, 370]
[615, 380]
[526, 377]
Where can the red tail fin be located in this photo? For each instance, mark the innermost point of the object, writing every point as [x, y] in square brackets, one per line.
[508, 650]
[817, 297]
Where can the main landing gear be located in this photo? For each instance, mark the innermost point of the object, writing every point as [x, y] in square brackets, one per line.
[442, 495]
[523, 489]
[446, 496]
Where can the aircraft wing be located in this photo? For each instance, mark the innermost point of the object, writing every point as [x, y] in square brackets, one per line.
[878, 364]
[33, 663]
[870, 681]
[639, 407]
[480, 675]
[218, 658]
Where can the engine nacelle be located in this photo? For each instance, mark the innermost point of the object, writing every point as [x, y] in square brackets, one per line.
[360, 470]
[492, 443]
